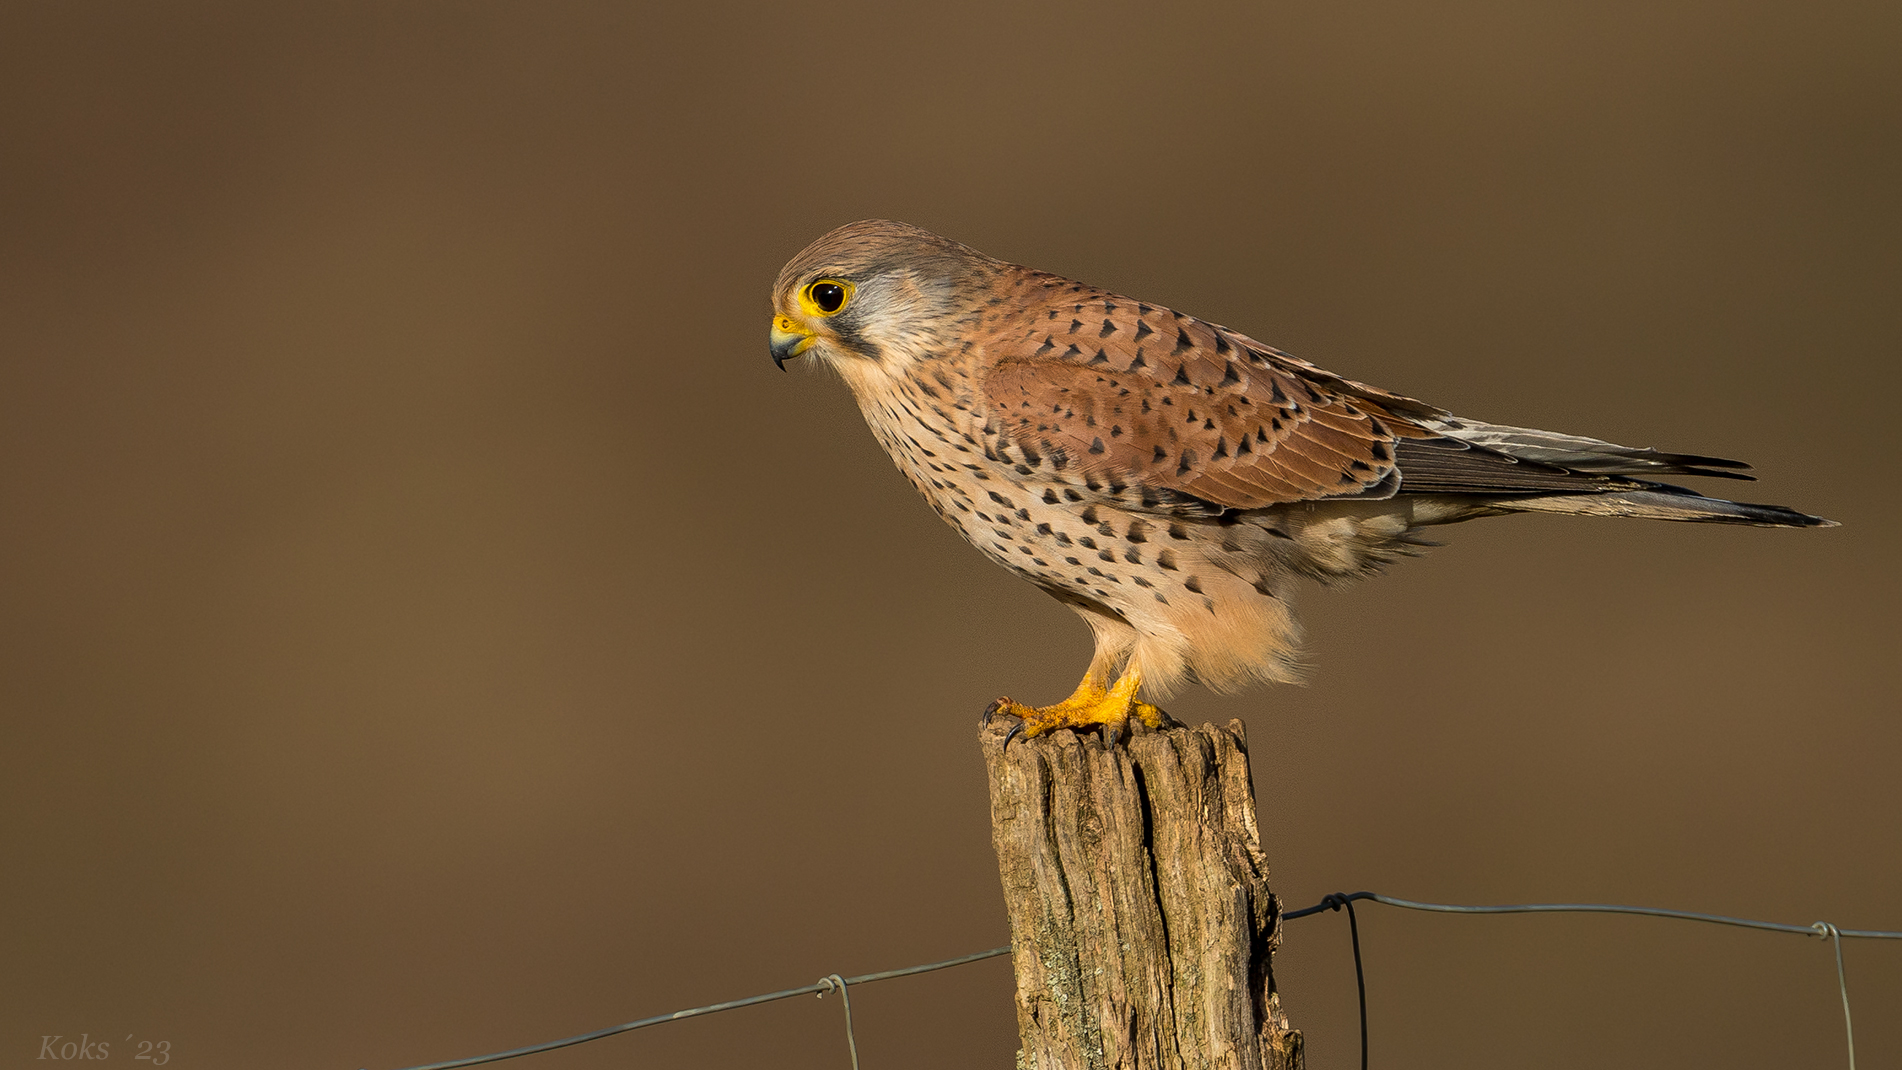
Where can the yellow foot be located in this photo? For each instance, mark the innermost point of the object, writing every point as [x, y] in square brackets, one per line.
[1092, 706]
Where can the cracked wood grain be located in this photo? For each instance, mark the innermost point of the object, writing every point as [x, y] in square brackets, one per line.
[1142, 924]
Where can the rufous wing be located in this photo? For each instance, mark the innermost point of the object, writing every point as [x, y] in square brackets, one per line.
[1143, 396]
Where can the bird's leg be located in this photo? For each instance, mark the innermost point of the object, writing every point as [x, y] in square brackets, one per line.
[1087, 693]
[1151, 716]
[1124, 691]
[1092, 705]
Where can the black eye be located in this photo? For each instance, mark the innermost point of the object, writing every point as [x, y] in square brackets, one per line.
[828, 296]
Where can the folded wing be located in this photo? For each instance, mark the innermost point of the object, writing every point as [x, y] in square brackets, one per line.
[1128, 394]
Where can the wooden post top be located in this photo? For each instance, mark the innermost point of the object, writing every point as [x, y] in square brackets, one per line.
[1142, 924]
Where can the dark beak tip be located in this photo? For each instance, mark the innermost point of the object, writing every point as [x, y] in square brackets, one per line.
[785, 345]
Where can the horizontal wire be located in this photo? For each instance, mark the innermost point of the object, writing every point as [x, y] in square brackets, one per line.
[1332, 902]
[1822, 928]
[818, 988]
[1591, 908]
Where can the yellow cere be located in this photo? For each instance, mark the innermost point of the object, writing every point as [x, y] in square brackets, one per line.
[785, 331]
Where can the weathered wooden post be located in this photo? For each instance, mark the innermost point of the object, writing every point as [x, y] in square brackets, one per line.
[1141, 920]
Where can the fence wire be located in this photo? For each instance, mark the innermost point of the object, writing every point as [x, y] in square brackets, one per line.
[1335, 902]
[817, 988]
[1821, 928]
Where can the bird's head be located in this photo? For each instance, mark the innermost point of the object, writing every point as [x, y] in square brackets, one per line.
[874, 296]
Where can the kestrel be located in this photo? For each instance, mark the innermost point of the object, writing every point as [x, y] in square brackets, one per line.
[1167, 478]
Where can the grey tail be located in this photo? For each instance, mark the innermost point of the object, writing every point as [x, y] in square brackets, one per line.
[1657, 501]
[1520, 469]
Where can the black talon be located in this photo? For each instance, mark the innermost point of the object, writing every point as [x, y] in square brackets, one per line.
[1113, 733]
[1012, 734]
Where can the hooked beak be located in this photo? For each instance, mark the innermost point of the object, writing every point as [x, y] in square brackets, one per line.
[787, 340]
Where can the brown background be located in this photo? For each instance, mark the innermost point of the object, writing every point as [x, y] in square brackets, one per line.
[432, 626]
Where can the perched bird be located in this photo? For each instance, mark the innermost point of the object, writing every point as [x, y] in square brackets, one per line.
[1168, 478]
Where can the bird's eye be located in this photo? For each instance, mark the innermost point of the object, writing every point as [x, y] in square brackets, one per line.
[827, 296]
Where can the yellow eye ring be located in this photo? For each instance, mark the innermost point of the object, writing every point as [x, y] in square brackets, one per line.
[824, 297]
